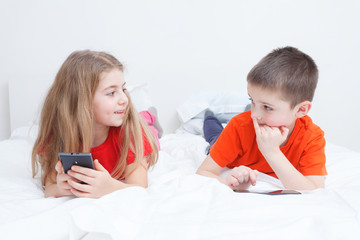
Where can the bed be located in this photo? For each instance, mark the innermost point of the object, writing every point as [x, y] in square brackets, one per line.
[178, 204]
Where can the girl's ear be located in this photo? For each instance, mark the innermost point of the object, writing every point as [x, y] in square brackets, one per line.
[303, 108]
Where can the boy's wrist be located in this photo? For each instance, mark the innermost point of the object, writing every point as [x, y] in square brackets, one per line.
[271, 154]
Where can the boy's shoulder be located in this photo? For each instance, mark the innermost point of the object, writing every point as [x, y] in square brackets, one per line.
[309, 125]
[242, 123]
[243, 116]
[309, 132]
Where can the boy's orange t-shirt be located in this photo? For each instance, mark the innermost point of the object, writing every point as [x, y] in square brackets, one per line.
[237, 146]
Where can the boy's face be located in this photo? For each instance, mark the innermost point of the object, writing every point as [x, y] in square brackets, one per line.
[270, 109]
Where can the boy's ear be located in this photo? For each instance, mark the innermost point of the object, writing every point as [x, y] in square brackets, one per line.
[303, 108]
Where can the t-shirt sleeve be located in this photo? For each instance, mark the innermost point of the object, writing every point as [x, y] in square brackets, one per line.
[147, 150]
[313, 159]
[227, 147]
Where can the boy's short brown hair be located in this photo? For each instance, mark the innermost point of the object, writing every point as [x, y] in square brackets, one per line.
[289, 70]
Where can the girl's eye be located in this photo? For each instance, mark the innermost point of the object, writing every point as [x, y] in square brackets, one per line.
[251, 100]
[124, 89]
[111, 93]
[267, 108]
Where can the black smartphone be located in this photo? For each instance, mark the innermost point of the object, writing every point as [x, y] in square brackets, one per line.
[276, 192]
[80, 159]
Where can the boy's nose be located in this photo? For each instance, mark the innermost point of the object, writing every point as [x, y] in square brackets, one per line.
[255, 113]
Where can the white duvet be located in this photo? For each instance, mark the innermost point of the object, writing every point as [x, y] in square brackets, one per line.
[178, 203]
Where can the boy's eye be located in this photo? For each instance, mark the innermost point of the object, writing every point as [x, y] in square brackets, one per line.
[251, 100]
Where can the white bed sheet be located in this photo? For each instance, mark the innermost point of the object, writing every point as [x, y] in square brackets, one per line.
[178, 203]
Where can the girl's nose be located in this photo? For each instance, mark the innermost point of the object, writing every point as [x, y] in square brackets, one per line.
[122, 99]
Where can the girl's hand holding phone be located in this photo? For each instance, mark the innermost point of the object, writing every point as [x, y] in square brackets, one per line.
[98, 182]
[62, 181]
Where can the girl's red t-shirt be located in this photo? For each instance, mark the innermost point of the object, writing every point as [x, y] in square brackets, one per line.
[108, 153]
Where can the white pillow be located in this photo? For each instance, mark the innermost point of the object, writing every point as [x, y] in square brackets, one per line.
[224, 105]
[140, 96]
[26, 132]
[191, 109]
[218, 102]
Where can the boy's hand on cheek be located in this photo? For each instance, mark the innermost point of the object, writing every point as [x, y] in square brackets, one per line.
[269, 139]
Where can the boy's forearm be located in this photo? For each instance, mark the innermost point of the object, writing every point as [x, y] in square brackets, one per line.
[209, 168]
[289, 176]
[210, 174]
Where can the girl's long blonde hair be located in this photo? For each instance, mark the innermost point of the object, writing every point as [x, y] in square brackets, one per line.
[67, 118]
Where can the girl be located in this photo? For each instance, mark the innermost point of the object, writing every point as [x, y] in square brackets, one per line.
[88, 109]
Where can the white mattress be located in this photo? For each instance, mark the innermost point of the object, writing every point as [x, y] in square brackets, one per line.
[178, 203]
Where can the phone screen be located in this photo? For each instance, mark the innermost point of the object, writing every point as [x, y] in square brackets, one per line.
[80, 159]
[286, 191]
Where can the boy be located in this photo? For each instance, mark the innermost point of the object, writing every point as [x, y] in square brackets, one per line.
[276, 137]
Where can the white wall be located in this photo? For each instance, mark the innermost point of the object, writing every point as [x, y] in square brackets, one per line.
[183, 46]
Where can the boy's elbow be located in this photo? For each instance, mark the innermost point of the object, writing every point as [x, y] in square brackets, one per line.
[318, 186]
[316, 182]
[143, 185]
[201, 172]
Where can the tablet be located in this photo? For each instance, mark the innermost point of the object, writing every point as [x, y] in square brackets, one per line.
[273, 192]
[80, 159]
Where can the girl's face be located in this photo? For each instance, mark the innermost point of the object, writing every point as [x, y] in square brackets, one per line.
[270, 109]
[110, 102]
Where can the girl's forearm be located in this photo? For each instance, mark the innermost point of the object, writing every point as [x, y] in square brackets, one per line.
[52, 190]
